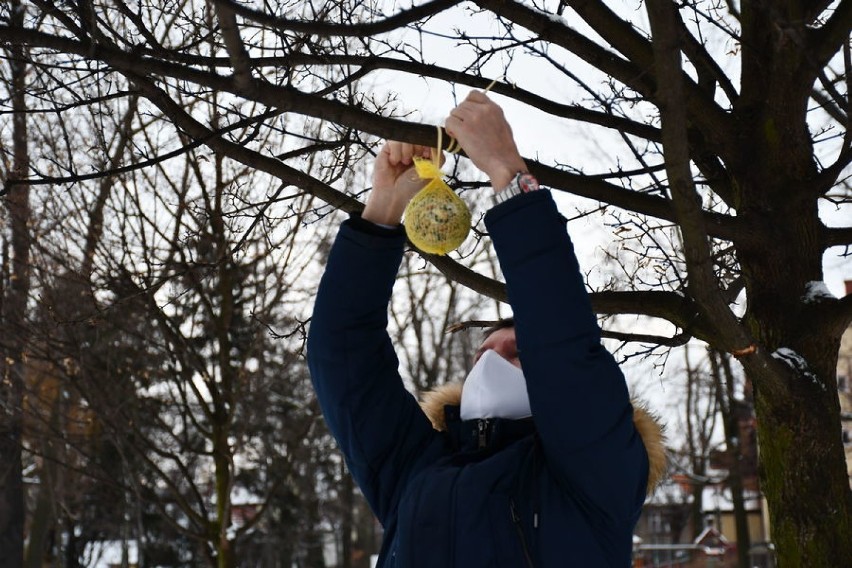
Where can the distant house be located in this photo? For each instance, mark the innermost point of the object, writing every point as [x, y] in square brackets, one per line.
[667, 520]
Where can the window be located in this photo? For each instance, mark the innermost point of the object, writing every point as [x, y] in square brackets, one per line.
[847, 437]
[842, 383]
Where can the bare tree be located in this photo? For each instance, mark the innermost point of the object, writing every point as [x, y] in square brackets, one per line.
[736, 412]
[13, 307]
[732, 124]
[700, 416]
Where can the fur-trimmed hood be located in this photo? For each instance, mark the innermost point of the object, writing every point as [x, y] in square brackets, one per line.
[649, 428]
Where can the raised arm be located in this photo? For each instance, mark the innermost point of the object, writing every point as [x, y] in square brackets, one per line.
[578, 395]
[381, 430]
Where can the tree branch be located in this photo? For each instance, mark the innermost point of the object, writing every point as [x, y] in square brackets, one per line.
[667, 305]
[665, 341]
[371, 63]
[637, 74]
[388, 24]
[240, 59]
[288, 99]
[822, 43]
[731, 335]
[837, 236]
[716, 224]
[624, 37]
[235, 151]
[674, 341]
[50, 180]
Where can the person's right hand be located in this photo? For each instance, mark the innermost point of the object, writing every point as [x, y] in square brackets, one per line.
[395, 181]
[480, 126]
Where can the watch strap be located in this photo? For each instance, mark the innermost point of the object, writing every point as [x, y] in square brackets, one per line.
[523, 182]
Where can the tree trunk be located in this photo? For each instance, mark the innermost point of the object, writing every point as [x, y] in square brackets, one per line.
[799, 459]
[347, 490]
[697, 455]
[802, 463]
[13, 337]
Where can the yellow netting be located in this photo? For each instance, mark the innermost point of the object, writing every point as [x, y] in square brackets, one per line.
[437, 221]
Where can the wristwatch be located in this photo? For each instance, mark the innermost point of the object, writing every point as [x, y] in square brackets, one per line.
[521, 183]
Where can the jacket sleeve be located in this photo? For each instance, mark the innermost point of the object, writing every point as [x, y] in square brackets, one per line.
[381, 430]
[578, 395]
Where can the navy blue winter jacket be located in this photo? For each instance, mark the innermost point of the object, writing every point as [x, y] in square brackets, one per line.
[562, 489]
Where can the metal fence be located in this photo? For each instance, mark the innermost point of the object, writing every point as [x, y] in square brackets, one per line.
[699, 556]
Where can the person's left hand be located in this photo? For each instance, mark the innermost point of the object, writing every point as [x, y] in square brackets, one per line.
[395, 181]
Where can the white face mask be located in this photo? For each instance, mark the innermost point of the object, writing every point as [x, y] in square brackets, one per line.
[494, 388]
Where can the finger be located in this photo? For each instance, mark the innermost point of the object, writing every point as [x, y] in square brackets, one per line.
[427, 152]
[406, 152]
[476, 96]
[453, 125]
[464, 111]
[395, 152]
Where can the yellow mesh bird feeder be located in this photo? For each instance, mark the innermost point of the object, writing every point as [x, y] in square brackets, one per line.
[437, 221]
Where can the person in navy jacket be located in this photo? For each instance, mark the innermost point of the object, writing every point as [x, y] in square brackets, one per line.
[552, 475]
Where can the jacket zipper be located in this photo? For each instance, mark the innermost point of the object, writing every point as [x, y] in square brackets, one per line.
[482, 431]
[516, 519]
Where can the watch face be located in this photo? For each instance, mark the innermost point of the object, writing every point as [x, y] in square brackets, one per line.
[527, 183]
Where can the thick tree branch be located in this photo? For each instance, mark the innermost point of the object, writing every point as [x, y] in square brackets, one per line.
[704, 113]
[830, 106]
[730, 334]
[716, 224]
[635, 47]
[49, 8]
[666, 305]
[827, 178]
[288, 99]
[822, 43]
[372, 63]
[837, 236]
[198, 131]
[665, 341]
[388, 24]
[234, 44]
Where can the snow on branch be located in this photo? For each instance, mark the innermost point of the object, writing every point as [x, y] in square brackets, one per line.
[797, 363]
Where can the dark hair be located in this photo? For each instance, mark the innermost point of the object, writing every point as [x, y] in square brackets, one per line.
[501, 324]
